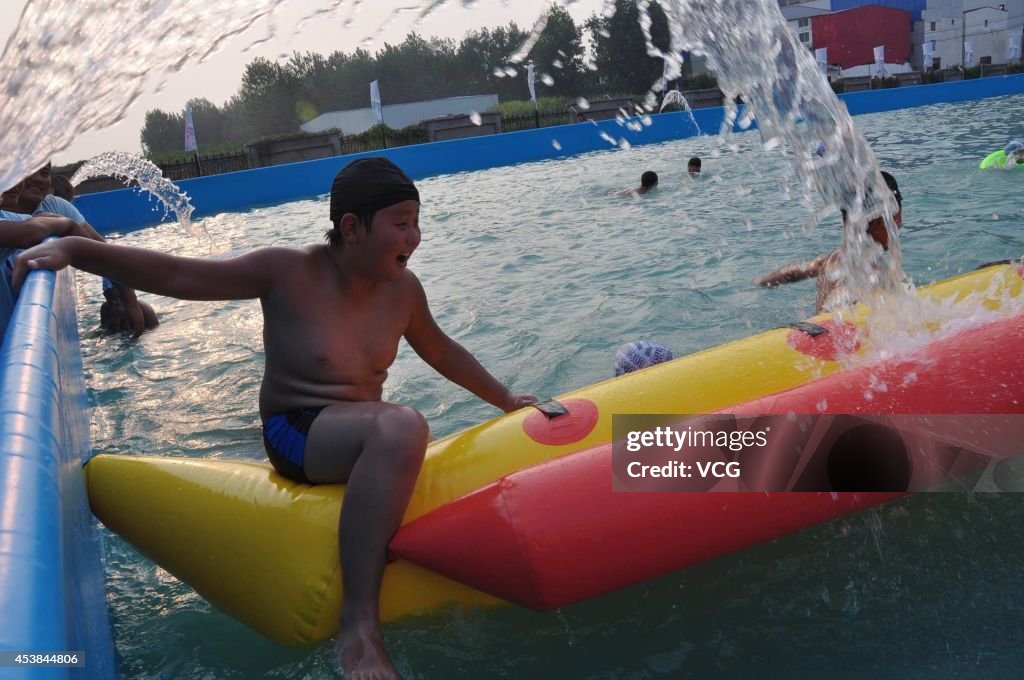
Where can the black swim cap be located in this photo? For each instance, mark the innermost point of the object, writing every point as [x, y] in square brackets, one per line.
[368, 185]
[890, 182]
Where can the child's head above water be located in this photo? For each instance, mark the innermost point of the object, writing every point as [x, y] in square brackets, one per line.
[649, 179]
[1015, 151]
[365, 186]
[876, 227]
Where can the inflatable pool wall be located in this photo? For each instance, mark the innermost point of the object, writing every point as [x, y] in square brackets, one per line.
[52, 595]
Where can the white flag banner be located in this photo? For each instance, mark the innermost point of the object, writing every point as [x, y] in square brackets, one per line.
[928, 50]
[968, 53]
[880, 60]
[378, 110]
[821, 56]
[190, 130]
[531, 82]
[1013, 53]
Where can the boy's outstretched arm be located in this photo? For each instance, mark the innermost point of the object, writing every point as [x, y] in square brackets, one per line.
[247, 276]
[453, 361]
[794, 272]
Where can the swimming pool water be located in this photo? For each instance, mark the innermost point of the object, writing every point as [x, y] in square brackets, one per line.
[542, 275]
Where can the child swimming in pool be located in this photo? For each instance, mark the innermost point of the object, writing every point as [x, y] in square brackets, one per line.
[828, 268]
[333, 315]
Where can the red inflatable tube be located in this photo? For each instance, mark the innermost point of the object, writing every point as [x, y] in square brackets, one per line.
[556, 533]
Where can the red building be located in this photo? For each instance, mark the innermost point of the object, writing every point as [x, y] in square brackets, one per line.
[852, 35]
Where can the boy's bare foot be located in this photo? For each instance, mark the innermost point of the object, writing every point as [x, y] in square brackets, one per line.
[362, 655]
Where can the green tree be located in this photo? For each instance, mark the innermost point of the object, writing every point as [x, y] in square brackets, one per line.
[268, 96]
[483, 52]
[620, 50]
[162, 132]
[559, 53]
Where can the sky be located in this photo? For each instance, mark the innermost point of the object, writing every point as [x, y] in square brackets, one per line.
[219, 77]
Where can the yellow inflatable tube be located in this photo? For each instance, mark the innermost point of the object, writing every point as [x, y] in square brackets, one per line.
[264, 549]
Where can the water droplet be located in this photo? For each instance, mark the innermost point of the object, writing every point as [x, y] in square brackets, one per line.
[608, 138]
[499, 72]
[624, 144]
[475, 117]
[511, 72]
[546, 79]
[557, 63]
[554, 143]
[582, 103]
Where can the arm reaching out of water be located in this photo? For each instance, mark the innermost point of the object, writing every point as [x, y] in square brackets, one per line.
[247, 276]
[453, 361]
[794, 272]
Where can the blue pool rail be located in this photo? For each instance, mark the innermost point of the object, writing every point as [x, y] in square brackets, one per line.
[52, 596]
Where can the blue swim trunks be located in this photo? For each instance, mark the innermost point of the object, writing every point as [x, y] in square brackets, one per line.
[284, 438]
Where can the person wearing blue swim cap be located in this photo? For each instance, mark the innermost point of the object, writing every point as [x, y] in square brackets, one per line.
[640, 354]
[1014, 152]
[1011, 156]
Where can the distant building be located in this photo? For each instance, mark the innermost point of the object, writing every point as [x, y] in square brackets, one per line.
[988, 26]
[799, 19]
[397, 116]
[851, 36]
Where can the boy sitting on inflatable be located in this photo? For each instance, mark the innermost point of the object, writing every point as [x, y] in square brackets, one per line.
[333, 316]
[1010, 157]
[832, 294]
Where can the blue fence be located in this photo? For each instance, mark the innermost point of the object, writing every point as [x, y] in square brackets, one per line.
[51, 577]
[128, 209]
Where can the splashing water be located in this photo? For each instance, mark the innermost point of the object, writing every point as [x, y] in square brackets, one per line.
[131, 168]
[58, 82]
[759, 60]
[676, 97]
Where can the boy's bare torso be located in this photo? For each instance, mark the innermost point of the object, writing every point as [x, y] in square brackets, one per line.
[324, 343]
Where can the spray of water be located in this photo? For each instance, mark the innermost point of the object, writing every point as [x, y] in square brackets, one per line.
[135, 169]
[58, 78]
[675, 97]
[759, 60]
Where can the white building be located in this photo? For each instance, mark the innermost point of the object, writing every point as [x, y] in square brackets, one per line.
[988, 26]
[398, 116]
